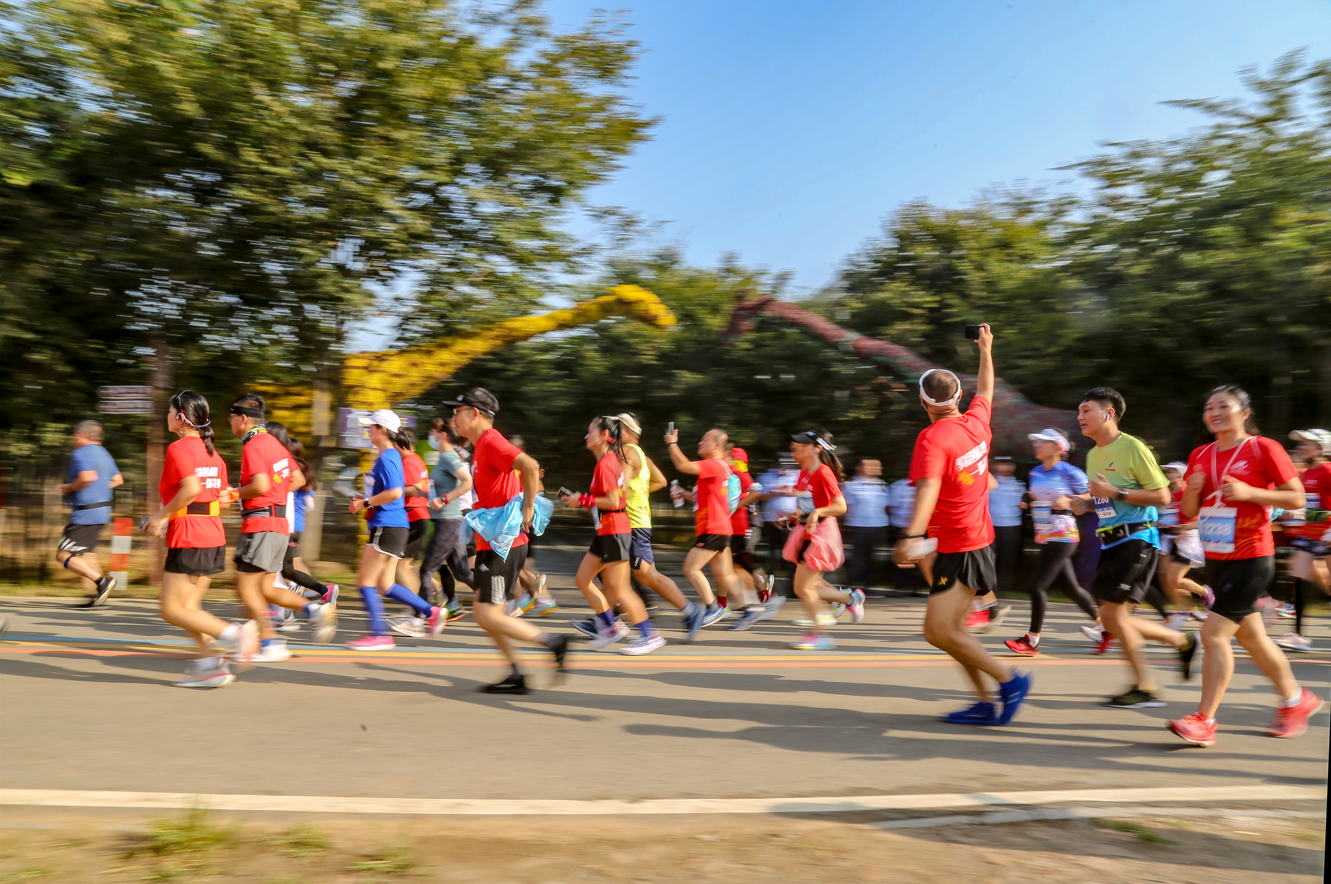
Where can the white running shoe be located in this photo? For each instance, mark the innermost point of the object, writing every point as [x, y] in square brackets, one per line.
[643, 644]
[1094, 633]
[276, 651]
[1285, 611]
[607, 637]
[212, 676]
[773, 606]
[323, 621]
[1176, 619]
[1292, 641]
[287, 621]
[856, 605]
[244, 645]
[412, 627]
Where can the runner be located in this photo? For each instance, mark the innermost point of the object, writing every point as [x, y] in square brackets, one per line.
[89, 481]
[1232, 484]
[776, 508]
[753, 580]
[416, 502]
[193, 481]
[266, 472]
[711, 521]
[1007, 506]
[294, 577]
[1126, 502]
[384, 504]
[445, 554]
[1180, 550]
[501, 473]
[950, 470]
[609, 554]
[866, 520]
[1311, 530]
[1052, 485]
[535, 597]
[819, 546]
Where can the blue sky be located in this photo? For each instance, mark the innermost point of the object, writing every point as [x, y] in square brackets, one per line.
[790, 129]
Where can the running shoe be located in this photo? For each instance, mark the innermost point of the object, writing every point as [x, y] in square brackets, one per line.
[197, 676]
[245, 645]
[997, 614]
[1291, 721]
[105, 586]
[692, 622]
[608, 637]
[331, 593]
[980, 713]
[856, 605]
[837, 609]
[435, 622]
[1185, 655]
[1208, 597]
[525, 604]
[4, 626]
[1199, 615]
[1135, 699]
[412, 627]
[1292, 641]
[545, 605]
[1176, 619]
[1285, 611]
[1194, 729]
[813, 641]
[286, 621]
[455, 610]
[372, 643]
[772, 606]
[560, 652]
[590, 627]
[1267, 607]
[978, 619]
[323, 624]
[748, 618]
[1013, 693]
[1103, 645]
[514, 684]
[435, 596]
[643, 644]
[715, 616]
[1022, 646]
[273, 650]
[1094, 633]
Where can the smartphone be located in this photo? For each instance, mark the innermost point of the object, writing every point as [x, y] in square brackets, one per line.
[972, 332]
[672, 427]
[564, 492]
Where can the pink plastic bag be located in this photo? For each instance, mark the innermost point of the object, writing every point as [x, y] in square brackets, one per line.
[825, 552]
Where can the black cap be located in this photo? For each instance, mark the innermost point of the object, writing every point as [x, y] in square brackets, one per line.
[478, 398]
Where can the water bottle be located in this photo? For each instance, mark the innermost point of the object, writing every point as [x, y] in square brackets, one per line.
[676, 493]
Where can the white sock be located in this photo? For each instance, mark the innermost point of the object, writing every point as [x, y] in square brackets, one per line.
[1033, 640]
[1292, 701]
[229, 634]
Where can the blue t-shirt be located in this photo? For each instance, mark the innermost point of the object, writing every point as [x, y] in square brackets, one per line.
[99, 460]
[1005, 502]
[387, 473]
[304, 500]
[866, 503]
[1064, 480]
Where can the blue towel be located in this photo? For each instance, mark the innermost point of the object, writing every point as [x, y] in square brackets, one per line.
[500, 526]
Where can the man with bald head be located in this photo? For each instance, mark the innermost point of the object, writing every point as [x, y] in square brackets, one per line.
[711, 516]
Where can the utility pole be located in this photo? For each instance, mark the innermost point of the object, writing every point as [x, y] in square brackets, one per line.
[159, 378]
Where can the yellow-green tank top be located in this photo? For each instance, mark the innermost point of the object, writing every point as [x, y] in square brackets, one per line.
[639, 510]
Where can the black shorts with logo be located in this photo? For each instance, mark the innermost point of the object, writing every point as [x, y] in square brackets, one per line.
[1238, 584]
[1125, 572]
[713, 542]
[196, 561]
[973, 569]
[415, 537]
[497, 578]
[78, 539]
[611, 547]
[390, 540]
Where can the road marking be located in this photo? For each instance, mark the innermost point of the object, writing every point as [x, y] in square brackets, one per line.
[521, 807]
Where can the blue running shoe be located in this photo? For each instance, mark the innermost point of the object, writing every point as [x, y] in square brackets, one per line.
[590, 627]
[1014, 694]
[710, 617]
[980, 713]
[693, 623]
[748, 618]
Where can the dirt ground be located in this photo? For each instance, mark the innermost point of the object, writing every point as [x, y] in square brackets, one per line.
[189, 847]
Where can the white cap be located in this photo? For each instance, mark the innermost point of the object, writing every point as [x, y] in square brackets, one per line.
[1177, 466]
[1050, 435]
[1317, 437]
[384, 418]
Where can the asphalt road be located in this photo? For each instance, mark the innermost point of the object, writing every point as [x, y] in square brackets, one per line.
[86, 702]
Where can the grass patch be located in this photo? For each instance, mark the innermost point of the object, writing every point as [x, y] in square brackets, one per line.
[1140, 832]
[301, 841]
[394, 861]
[183, 847]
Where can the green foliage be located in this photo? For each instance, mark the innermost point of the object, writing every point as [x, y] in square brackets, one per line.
[392, 861]
[302, 841]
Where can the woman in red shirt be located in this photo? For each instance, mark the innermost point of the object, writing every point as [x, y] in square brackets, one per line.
[416, 498]
[609, 553]
[1232, 484]
[818, 493]
[193, 478]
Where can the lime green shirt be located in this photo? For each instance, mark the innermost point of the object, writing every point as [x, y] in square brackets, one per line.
[635, 498]
[1126, 463]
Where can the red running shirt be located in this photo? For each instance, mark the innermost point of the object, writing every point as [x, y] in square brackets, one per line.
[609, 476]
[414, 472]
[1261, 463]
[711, 498]
[495, 479]
[822, 484]
[264, 454]
[956, 451]
[739, 519]
[188, 456]
[1317, 489]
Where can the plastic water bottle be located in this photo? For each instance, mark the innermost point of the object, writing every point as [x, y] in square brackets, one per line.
[676, 493]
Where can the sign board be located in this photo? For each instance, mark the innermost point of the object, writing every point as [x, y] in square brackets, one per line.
[352, 434]
[125, 406]
[125, 392]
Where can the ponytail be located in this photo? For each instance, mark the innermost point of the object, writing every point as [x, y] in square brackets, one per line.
[828, 457]
[611, 427]
[193, 410]
[279, 432]
[1245, 404]
[406, 439]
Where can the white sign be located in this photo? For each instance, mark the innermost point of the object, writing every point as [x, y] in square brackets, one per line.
[125, 406]
[125, 393]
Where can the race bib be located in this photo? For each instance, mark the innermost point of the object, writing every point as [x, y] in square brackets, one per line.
[1042, 516]
[1216, 526]
[1104, 508]
[1168, 517]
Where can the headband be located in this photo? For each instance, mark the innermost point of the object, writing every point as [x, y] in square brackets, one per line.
[256, 413]
[925, 396]
[813, 438]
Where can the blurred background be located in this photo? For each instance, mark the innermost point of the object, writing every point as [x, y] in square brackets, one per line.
[245, 195]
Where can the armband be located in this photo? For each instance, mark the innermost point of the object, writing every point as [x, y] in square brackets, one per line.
[586, 501]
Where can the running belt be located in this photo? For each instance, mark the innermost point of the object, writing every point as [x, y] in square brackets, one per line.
[92, 506]
[213, 508]
[277, 511]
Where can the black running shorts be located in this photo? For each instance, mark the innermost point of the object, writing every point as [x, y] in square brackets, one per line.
[79, 539]
[739, 551]
[1125, 572]
[1238, 584]
[415, 537]
[713, 542]
[390, 540]
[497, 578]
[196, 561]
[973, 569]
[611, 547]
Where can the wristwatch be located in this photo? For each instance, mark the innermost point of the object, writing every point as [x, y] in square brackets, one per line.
[1121, 494]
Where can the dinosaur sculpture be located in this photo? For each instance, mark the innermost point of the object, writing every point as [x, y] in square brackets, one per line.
[1015, 416]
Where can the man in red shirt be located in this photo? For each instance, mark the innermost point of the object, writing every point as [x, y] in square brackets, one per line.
[499, 473]
[748, 572]
[1310, 529]
[949, 470]
[711, 519]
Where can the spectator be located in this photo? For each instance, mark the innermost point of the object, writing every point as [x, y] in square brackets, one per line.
[1006, 503]
[866, 520]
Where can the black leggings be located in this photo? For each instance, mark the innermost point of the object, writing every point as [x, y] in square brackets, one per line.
[1054, 561]
[289, 568]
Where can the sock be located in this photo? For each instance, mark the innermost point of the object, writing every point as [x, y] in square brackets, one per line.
[374, 606]
[549, 639]
[721, 601]
[517, 673]
[229, 634]
[403, 596]
[1292, 701]
[689, 609]
[646, 627]
[309, 610]
[713, 607]
[607, 618]
[265, 642]
[210, 662]
[1033, 640]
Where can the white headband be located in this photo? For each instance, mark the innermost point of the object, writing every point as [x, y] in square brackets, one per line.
[925, 396]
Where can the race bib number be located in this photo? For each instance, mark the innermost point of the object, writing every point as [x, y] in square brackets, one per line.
[1104, 508]
[1168, 517]
[1216, 526]
[1042, 516]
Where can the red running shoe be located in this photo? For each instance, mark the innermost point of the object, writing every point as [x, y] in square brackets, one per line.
[1194, 729]
[1106, 640]
[1291, 721]
[978, 619]
[1022, 646]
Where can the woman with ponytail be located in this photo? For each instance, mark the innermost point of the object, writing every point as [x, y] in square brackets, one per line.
[193, 479]
[817, 548]
[609, 554]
